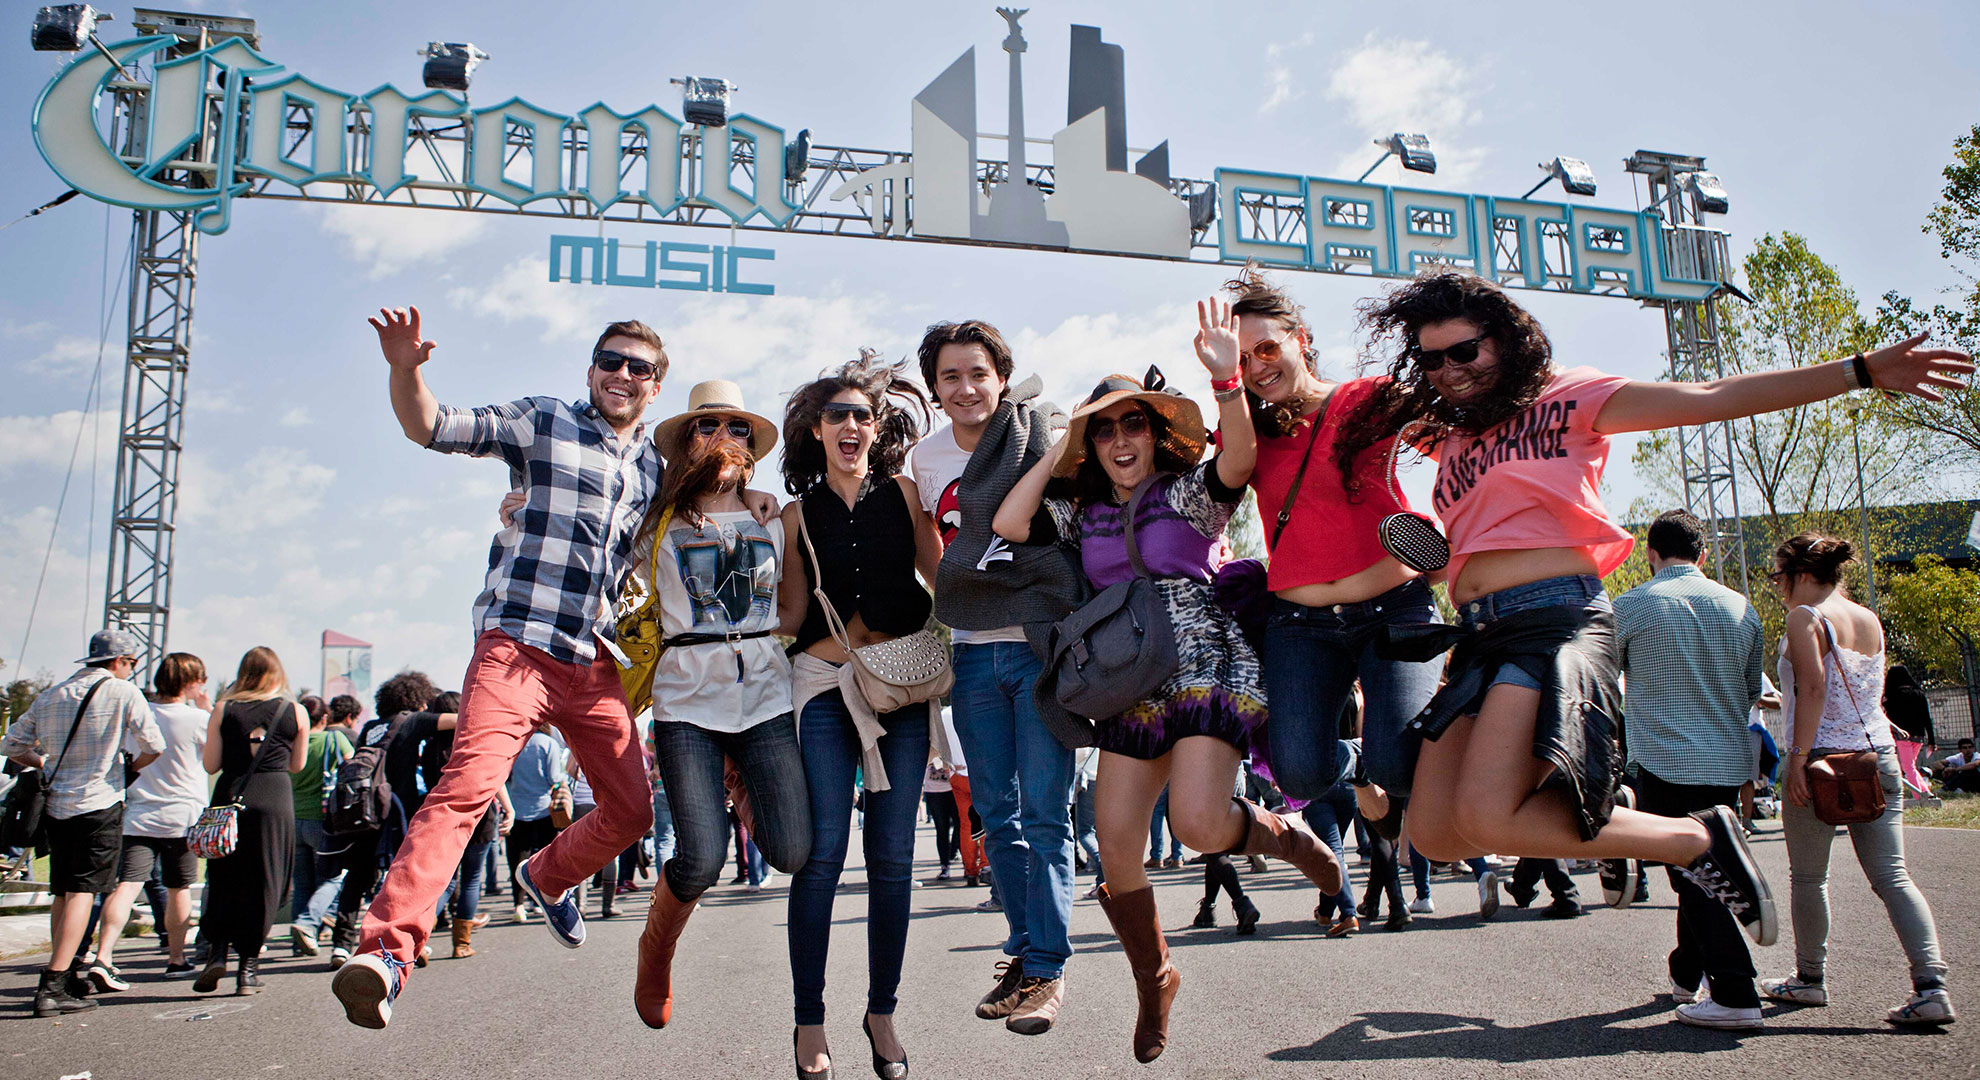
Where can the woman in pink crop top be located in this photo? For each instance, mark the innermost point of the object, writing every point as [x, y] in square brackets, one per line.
[1519, 752]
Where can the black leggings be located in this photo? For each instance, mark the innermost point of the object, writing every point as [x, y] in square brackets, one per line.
[948, 824]
[1384, 875]
[1219, 873]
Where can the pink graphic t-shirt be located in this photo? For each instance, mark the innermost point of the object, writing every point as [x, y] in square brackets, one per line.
[1535, 480]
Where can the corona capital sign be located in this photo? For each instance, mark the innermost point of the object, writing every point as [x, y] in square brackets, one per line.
[260, 125]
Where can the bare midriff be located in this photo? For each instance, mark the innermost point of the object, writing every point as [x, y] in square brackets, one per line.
[1491, 571]
[1352, 589]
[827, 648]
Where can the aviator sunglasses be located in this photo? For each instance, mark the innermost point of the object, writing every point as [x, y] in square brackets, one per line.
[708, 426]
[608, 361]
[1130, 425]
[839, 412]
[1462, 353]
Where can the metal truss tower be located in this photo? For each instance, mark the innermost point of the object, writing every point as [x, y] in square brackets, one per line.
[1694, 250]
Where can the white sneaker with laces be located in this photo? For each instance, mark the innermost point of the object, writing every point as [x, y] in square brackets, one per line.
[1422, 905]
[1793, 991]
[1711, 1014]
[1927, 1008]
[1488, 895]
[1685, 997]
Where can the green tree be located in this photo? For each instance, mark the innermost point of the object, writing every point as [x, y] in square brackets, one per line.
[1924, 607]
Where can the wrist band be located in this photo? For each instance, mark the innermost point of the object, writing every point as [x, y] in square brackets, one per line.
[1231, 383]
[1861, 367]
[1225, 393]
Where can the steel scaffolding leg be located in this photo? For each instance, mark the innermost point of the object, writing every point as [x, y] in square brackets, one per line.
[1705, 452]
[145, 499]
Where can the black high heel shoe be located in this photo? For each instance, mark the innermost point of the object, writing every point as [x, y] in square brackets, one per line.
[882, 1068]
[811, 1074]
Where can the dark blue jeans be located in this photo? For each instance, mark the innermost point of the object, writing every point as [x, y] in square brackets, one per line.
[1313, 655]
[465, 890]
[831, 750]
[1021, 784]
[690, 761]
[1330, 815]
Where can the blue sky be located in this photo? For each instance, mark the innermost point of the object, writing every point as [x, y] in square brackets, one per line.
[304, 509]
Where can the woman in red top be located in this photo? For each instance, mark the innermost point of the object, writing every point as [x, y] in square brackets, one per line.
[1519, 750]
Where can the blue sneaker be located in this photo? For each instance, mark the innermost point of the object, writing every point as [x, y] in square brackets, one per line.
[367, 985]
[561, 914]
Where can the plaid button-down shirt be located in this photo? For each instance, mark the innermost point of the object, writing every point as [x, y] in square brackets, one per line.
[551, 572]
[92, 774]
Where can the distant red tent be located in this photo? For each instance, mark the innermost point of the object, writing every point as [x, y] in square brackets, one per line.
[335, 640]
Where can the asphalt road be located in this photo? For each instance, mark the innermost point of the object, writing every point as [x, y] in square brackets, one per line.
[1521, 996]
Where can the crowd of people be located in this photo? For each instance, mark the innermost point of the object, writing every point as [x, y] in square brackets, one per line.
[1257, 708]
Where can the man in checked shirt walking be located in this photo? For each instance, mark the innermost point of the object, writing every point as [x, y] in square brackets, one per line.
[586, 471]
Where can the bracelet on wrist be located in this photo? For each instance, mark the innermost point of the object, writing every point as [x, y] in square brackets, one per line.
[1797, 751]
[1226, 394]
[1861, 367]
[1232, 383]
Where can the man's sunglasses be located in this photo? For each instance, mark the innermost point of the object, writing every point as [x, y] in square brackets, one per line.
[708, 426]
[608, 361]
[1130, 425]
[840, 412]
[1462, 353]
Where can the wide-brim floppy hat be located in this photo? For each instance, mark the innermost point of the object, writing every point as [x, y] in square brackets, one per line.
[1185, 438]
[719, 398]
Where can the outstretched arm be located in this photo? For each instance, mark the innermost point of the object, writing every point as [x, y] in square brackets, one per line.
[405, 351]
[1904, 367]
[1217, 348]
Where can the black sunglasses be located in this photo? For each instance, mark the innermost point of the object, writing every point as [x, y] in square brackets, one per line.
[1131, 425]
[838, 412]
[608, 361]
[706, 426]
[1462, 353]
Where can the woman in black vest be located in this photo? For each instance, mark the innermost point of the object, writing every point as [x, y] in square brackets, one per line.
[863, 534]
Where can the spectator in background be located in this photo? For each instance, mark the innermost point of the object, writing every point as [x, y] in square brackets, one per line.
[465, 890]
[1960, 771]
[536, 770]
[1524, 886]
[1911, 724]
[344, 713]
[78, 731]
[940, 799]
[158, 809]
[318, 874]
[365, 853]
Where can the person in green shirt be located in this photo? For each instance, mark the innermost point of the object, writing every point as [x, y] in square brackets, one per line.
[317, 876]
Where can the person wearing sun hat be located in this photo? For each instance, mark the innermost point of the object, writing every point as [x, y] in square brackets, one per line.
[1141, 439]
[716, 399]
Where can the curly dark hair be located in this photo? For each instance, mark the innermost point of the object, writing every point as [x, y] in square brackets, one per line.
[408, 691]
[900, 417]
[1408, 400]
[344, 708]
[1252, 293]
[1090, 485]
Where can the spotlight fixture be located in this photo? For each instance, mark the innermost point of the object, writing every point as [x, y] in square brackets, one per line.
[797, 157]
[1574, 174]
[450, 65]
[705, 101]
[1202, 208]
[1708, 195]
[65, 27]
[1414, 150]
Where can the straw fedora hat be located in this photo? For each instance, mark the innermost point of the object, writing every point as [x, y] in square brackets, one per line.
[1185, 438]
[721, 398]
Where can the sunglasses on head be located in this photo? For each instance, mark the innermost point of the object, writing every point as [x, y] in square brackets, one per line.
[708, 426]
[608, 361]
[1102, 430]
[1462, 353]
[838, 412]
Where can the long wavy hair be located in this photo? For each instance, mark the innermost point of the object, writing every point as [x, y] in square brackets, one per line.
[260, 677]
[693, 475]
[1408, 400]
[1252, 293]
[900, 414]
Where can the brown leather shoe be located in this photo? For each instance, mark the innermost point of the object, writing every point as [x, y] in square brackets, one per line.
[1003, 997]
[463, 935]
[1280, 837]
[653, 986]
[1038, 1004]
[1155, 979]
[1343, 926]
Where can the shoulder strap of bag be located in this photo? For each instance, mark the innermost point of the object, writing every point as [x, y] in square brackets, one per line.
[1829, 631]
[49, 776]
[267, 737]
[1134, 504]
[1292, 493]
[832, 621]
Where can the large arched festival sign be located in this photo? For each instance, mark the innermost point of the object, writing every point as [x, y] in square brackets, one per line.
[181, 121]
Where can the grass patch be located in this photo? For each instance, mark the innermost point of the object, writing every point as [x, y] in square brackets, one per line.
[1956, 813]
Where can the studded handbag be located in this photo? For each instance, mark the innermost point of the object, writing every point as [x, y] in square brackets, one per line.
[892, 674]
[1411, 538]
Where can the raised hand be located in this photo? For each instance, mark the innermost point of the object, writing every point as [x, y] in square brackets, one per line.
[1926, 373]
[1216, 338]
[398, 338]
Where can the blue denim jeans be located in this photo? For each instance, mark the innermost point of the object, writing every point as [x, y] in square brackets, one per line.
[663, 825]
[831, 751]
[1330, 815]
[690, 760]
[1156, 821]
[1021, 783]
[1313, 655]
[316, 878]
[1576, 589]
[1087, 831]
[464, 892]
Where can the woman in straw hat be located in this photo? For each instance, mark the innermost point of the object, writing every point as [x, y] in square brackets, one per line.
[1194, 731]
[721, 687]
[862, 527]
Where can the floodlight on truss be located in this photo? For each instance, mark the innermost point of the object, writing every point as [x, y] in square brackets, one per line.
[1707, 193]
[1413, 150]
[64, 27]
[705, 101]
[1574, 174]
[450, 65]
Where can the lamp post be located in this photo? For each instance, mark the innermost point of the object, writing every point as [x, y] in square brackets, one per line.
[1863, 512]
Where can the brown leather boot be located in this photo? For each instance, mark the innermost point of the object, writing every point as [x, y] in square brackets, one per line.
[1155, 979]
[463, 931]
[1280, 837]
[653, 987]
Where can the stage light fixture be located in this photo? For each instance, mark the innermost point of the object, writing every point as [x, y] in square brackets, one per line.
[1708, 195]
[1203, 208]
[797, 157]
[450, 65]
[705, 101]
[1414, 150]
[65, 27]
[1574, 174]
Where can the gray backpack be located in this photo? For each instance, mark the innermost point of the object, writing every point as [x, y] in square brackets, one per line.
[1118, 648]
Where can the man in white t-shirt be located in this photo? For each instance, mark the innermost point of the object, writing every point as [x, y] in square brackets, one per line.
[1960, 771]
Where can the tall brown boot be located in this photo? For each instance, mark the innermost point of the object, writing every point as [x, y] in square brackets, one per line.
[463, 931]
[1155, 979]
[1278, 836]
[653, 988]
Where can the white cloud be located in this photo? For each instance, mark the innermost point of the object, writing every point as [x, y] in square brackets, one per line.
[15, 330]
[49, 441]
[296, 417]
[523, 292]
[1390, 85]
[71, 358]
[772, 347]
[1280, 89]
[277, 486]
[391, 239]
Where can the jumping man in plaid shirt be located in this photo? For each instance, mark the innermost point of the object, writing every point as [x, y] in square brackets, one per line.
[585, 470]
